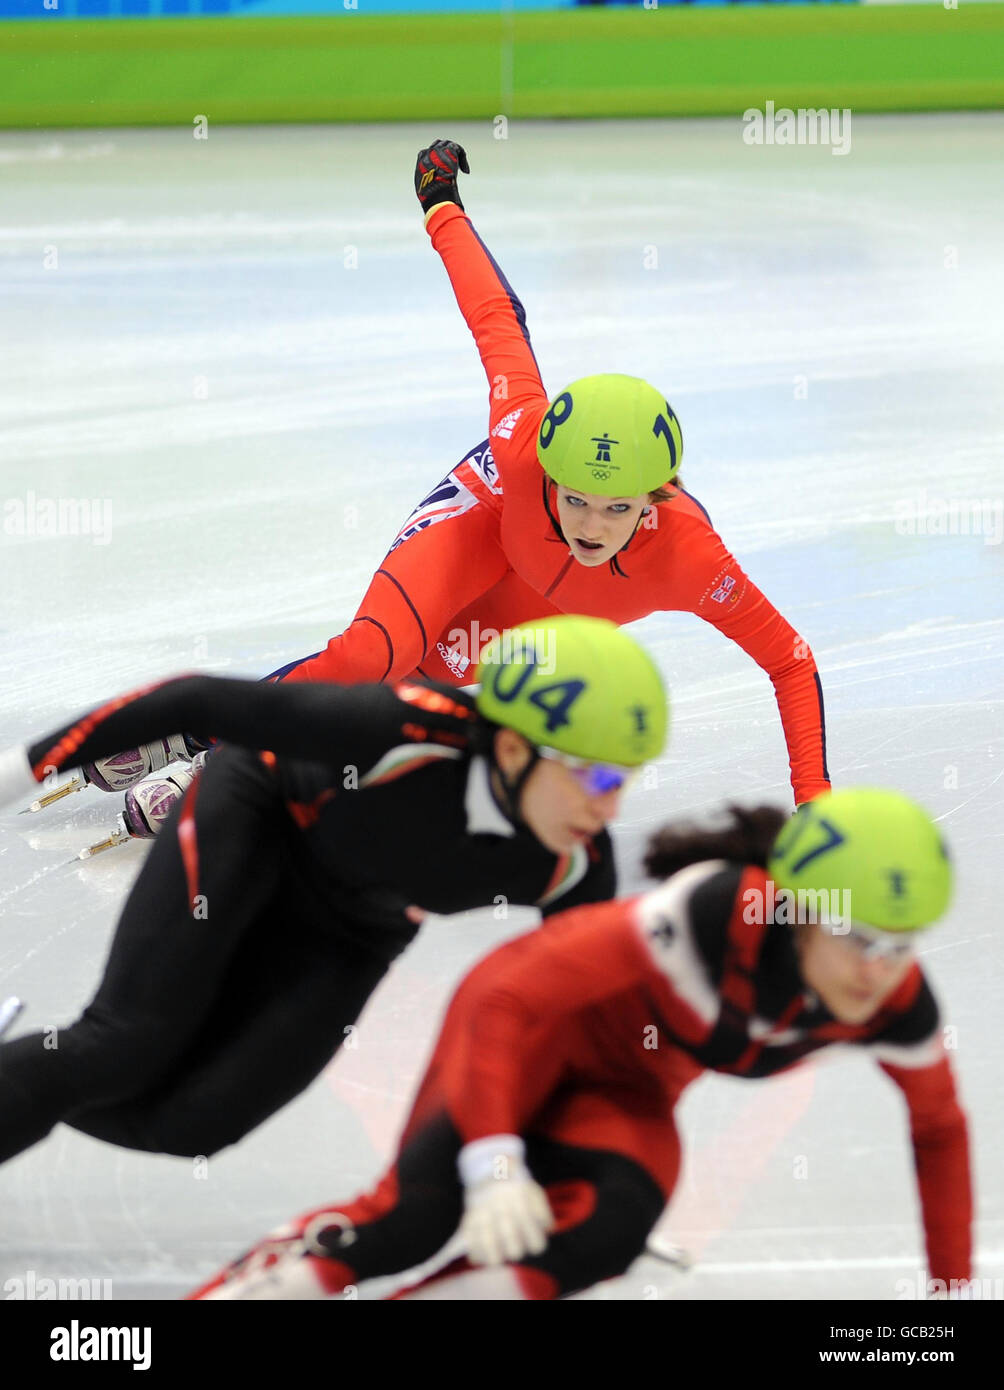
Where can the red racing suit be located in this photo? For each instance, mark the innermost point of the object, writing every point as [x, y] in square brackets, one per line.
[580, 1037]
[588, 1029]
[481, 552]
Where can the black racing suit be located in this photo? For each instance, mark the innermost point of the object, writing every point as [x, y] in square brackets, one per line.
[273, 901]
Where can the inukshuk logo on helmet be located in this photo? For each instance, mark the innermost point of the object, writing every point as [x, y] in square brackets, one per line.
[639, 730]
[898, 898]
[603, 443]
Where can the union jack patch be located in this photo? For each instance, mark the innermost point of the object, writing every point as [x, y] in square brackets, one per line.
[454, 495]
[450, 498]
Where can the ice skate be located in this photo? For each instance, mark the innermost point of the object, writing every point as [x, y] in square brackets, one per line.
[288, 1264]
[147, 807]
[121, 771]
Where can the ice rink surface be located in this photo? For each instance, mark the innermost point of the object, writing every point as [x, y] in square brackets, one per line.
[244, 356]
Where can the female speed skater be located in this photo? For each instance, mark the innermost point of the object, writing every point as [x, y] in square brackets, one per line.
[543, 1131]
[572, 505]
[287, 880]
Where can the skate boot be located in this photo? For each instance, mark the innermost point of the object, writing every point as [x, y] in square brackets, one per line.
[124, 770]
[120, 770]
[147, 807]
[150, 802]
[290, 1263]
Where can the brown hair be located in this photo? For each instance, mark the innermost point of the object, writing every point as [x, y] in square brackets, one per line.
[664, 494]
[747, 839]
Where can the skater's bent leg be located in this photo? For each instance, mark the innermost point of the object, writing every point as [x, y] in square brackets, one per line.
[605, 1206]
[411, 1215]
[407, 1218]
[284, 671]
[425, 578]
[278, 1019]
[363, 651]
[192, 902]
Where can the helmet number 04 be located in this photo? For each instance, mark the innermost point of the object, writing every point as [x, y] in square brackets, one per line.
[555, 700]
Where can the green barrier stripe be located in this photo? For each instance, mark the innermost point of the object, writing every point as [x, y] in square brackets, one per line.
[745, 22]
[596, 62]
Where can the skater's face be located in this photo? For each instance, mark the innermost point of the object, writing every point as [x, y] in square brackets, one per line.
[597, 527]
[851, 982]
[559, 811]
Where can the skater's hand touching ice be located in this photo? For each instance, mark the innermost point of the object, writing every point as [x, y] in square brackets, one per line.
[506, 1214]
[436, 173]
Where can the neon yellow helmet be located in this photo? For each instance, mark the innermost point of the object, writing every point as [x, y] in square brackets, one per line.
[578, 685]
[613, 435]
[878, 845]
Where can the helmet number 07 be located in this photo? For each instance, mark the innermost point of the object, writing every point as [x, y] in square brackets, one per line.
[832, 839]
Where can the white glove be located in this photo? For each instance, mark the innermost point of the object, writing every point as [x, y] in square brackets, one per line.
[506, 1214]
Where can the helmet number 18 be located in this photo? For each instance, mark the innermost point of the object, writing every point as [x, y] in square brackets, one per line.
[557, 415]
[662, 427]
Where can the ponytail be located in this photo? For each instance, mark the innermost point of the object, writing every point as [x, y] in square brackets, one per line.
[747, 838]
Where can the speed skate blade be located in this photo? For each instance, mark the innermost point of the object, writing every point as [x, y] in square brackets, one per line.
[77, 783]
[119, 836]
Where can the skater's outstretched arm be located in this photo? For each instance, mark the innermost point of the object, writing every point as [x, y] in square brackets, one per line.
[940, 1138]
[341, 724]
[488, 303]
[703, 577]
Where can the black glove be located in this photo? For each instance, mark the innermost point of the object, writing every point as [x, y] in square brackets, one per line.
[436, 173]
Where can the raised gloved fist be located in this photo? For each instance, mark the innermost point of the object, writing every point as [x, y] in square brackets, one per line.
[436, 173]
[506, 1214]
